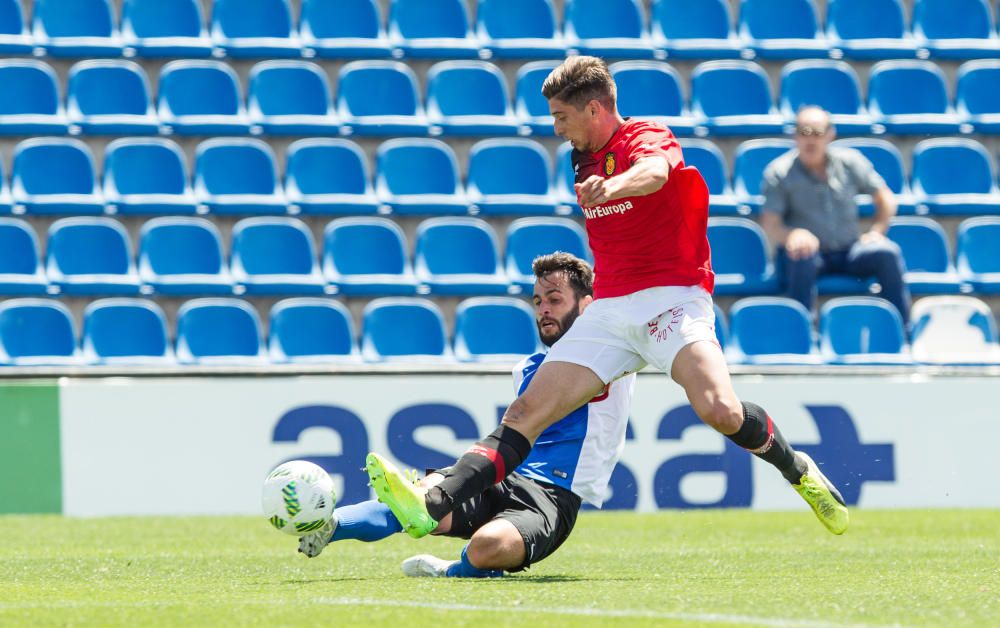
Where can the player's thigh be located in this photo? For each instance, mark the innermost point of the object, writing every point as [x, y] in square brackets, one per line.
[557, 389]
[700, 368]
[498, 544]
[661, 340]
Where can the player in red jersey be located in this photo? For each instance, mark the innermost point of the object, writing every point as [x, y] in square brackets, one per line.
[646, 217]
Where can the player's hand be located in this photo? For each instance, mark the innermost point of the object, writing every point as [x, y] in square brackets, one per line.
[801, 243]
[869, 237]
[593, 191]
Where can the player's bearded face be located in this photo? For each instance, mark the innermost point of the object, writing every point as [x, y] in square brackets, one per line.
[556, 307]
[552, 328]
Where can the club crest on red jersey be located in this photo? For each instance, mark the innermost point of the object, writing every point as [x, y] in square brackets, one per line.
[609, 164]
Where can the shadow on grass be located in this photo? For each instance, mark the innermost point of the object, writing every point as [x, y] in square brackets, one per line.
[567, 578]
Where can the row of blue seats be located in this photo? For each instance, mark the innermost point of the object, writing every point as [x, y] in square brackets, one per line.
[277, 256]
[421, 176]
[310, 330]
[370, 256]
[859, 330]
[503, 28]
[289, 97]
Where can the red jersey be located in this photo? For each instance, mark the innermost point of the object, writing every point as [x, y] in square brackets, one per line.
[660, 239]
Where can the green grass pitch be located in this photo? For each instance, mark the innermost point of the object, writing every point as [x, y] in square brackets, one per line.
[929, 568]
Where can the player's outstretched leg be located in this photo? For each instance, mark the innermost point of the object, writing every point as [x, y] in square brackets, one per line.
[403, 496]
[366, 521]
[425, 565]
[822, 496]
[761, 437]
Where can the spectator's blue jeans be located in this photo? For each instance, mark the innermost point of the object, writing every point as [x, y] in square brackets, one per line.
[882, 260]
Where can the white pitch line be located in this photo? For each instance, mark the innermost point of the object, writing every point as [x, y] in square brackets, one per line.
[588, 612]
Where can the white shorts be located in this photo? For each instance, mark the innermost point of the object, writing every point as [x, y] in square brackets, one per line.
[621, 335]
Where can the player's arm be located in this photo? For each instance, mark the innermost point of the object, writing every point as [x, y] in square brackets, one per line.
[647, 175]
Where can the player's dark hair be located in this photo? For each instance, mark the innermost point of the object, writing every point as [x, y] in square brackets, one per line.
[578, 272]
[578, 80]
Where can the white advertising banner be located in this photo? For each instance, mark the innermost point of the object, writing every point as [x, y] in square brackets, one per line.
[173, 446]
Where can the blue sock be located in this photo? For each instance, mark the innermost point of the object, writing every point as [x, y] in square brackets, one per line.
[464, 569]
[367, 521]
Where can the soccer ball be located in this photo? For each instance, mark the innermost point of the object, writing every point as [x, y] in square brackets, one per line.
[298, 497]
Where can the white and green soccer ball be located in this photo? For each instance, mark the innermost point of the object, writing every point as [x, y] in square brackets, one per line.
[298, 497]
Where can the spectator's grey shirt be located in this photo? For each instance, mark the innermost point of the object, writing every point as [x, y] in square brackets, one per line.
[826, 208]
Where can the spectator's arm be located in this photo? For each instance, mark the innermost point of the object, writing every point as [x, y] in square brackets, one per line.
[885, 209]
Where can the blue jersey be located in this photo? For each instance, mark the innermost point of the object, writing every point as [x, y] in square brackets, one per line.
[579, 451]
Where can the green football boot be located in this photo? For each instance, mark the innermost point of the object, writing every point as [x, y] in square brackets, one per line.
[404, 496]
[822, 496]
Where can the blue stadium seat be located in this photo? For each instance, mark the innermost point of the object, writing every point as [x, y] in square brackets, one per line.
[869, 29]
[75, 28]
[888, 162]
[328, 176]
[311, 330]
[954, 330]
[419, 176]
[782, 29]
[519, 29]
[153, 28]
[954, 176]
[290, 98]
[109, 97]
[124, 330]
[253, 28]
[929, 269]
[955, 29]
[563, 179]
[530, 107]
[14, 38]
[36, 332]
[652, 90]
[977, 95]
[770, 330]
[403, 329]
[833, 85]
[907, 97]
[458, 256]
[343, 29]
[181, 255]
[468, 98]
[237, 176]
[218, 331]
[752, 157]
[694, 30]
[54, 176]
[379, 98]
[201, 97]
[862, 330]
[509, 176]
[734, 98]
[607, 28]
[90, 255]
[740, 257]
[978, 253]
[20, 269]
[439, 29]
[494, 329]
[29, 99]
[527, 238]
[710, 162]
[146, 176]
[367, 256]
[275, 256]
[721, 327]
